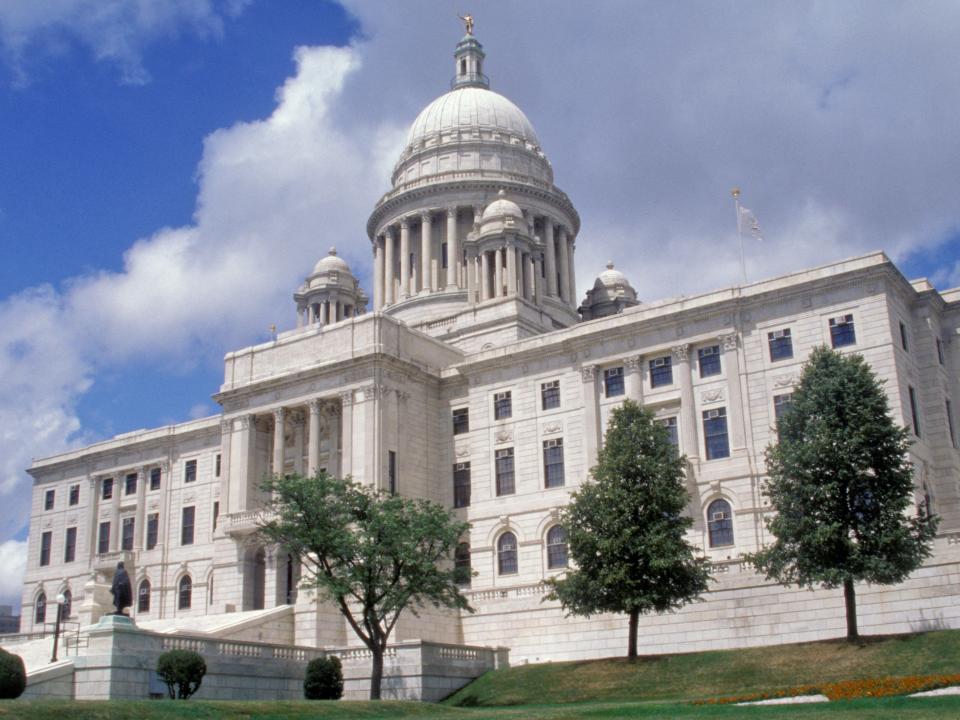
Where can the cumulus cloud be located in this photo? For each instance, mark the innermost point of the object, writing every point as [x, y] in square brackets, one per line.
[13, 560]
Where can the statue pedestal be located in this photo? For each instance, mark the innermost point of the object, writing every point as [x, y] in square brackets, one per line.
[114, 622]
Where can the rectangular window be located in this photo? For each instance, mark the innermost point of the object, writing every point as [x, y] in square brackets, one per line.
[106, 489]
[70, 545]
[216, 466]
[155, 478]
[661, 371]
[842, 331]
[502, 405]
[153, 530]
[708, 359]
[190, 471]
[914, 414]
[130, 484]
[781, 344]
[550, 395]
[103, 538]
[461, 485]
[461, 421]
[216, 513]
[505, 485]
[392, 472]
[46, 540]
[903, 338]
[186, 525]
[939, 351]
[781, 403]
[48, 499]
[553, 463]
[613, 382]
[127, 533]
[670, 423]
[715, 434]
[953, 435]
[74, 495]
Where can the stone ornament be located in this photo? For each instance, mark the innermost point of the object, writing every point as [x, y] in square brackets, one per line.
[551, 428]
[784, 380]
[712, 396]
[681, 352]
[503, 435]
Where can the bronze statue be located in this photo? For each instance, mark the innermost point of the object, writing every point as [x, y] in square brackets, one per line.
[468, 21]
[121, 590]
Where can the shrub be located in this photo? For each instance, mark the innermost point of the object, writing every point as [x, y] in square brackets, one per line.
[13, 675]
[324, 679]
[182, 671]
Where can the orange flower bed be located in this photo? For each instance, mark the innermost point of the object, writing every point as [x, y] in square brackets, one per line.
[848, 689]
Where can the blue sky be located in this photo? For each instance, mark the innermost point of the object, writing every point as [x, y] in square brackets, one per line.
[171, 170]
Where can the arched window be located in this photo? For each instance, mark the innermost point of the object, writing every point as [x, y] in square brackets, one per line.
[67, 607]
[143, 597]
[185, 595]
[556, 547]
[40, 609]
[461, 564]
[720, 523]
[507, 554]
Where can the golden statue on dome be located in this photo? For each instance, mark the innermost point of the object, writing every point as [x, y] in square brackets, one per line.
[468, 22]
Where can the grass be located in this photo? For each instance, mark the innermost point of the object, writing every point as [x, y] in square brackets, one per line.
[715, 674]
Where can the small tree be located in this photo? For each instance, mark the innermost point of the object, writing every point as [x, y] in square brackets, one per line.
[626, 529]
[182, 671]
[324, 679]
[841, 484]
[374, 555]
[13, 675]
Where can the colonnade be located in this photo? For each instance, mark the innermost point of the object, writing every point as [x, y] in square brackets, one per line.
[325, 312]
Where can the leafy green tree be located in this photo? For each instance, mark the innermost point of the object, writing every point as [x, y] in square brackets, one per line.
[626, 528]
[182, 671]
[841, 484]
[372, 554]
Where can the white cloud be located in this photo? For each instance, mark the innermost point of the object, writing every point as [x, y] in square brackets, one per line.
[13, 561]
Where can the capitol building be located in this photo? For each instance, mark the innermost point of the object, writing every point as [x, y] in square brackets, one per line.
[471, 374]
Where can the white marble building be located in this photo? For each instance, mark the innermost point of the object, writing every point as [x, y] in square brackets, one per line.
[480, 382]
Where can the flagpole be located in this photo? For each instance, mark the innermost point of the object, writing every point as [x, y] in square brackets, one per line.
[743, 263]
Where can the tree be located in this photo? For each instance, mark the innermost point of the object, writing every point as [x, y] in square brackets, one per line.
[182, 671]
[841, 484]
[626, 529]
[372, 554]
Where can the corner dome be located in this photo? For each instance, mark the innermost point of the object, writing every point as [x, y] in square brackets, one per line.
[611, 277]
[500, 208]
[331, 262]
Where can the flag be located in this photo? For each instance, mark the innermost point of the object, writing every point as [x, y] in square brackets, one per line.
[748, 222]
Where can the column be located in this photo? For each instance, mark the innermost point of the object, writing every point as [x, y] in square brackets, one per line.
[115, 513]
[531, 278]
[313, 437]
[404, 258]
[247, 475]
[299, 318]
[551, 257]
[93, 505]
[471, 282]
[226, 443]
[498, 272]
[564, 265]
[299, 430]
[538, 278]
[138, 522]
[573, 272]
[333, 427]
[591, 416]
[378, 279]
[511, 253]
[390, 267]
[485, 275]
[688, 410]
[346, 423]
[278, 422]
[426, 251]
[731, 359]
[633, 367]
[453, 249]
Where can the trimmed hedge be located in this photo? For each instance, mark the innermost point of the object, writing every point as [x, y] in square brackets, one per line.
[182, 671]
[324, 679]
[13, 675]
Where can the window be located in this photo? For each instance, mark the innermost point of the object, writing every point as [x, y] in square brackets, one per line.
[103, 538]
[186, 525]
[46, 540]
[502, 406]
[106, 489]
[153, 527]
[48, 499]
[556, 548]
[190, 471]
[720, 523]
[661, 371]
[461, 564]
[781, 344]
[155, 478]
[670, 423]
[914, 415]
[903, 338]
[953, 435]
[461, 485]
[127, 533]
[216, 513]
[613, 382]
[939, 351]
[184, 593]
[443, 255]
[392, 472]
[507, 554]
[461, 421]
[504, 462]
[143, 597]
[70, 545]
[715, 433]
[130, 484]
[66, 609]
[40, 609]
[553, 463]
[74, 495]
[708, 359]
[216, 466]
[550, 395]
[781, 403]
[842, 332]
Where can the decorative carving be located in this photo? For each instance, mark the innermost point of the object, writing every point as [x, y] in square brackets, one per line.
[503, 435]
[315, 405]
[784, 380]
[71, 519]
[729, 342]
[189, 498]
[551, 428]
[402, 396]
[588, 373]
[48, 523]
[712, 396]
[681, 352]
[154, 505]
[226, 426]
[462, 451]
[633, 363]
[297, 417]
